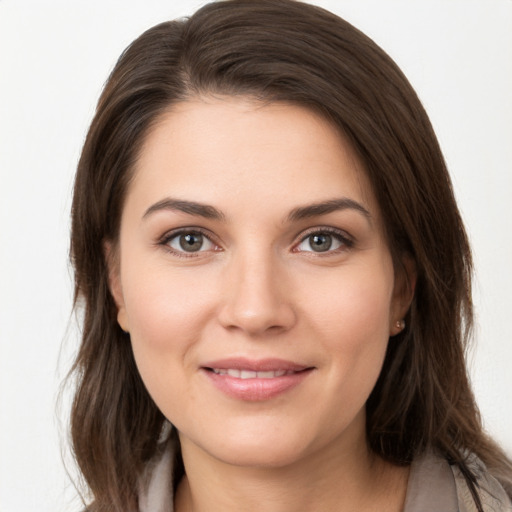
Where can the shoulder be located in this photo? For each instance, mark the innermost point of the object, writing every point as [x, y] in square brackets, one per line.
[436, 485]
[493, 496]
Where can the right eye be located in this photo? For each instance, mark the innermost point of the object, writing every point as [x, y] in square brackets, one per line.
[189, 242]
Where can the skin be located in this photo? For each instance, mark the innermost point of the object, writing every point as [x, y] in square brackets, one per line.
[256, 288]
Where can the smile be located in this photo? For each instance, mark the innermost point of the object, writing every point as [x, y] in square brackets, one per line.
[255, 381]
[249, 374]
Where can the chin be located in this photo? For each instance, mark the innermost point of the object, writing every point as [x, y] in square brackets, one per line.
[271, 455]
[256, 445]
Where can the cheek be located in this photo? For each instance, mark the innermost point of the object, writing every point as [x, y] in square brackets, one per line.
[167, 313]
[165, 307]
[352, 324]
[354, 304]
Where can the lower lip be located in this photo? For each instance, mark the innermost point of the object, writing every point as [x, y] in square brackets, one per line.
[256, 390]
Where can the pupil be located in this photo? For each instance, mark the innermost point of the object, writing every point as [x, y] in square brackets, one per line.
[320, 243]
[191, 242]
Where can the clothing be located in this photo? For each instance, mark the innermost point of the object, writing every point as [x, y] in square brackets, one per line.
[434, 486]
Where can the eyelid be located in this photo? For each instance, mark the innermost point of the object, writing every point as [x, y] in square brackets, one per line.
[347, 240]
[173, 233]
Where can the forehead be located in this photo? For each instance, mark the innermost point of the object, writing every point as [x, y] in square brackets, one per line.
[221, 150]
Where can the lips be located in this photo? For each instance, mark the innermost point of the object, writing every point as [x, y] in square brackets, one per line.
[249, 374]
[252, 380]
[260, 365]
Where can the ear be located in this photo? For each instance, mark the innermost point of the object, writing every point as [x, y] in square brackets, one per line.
[114, 282]
[403, 293]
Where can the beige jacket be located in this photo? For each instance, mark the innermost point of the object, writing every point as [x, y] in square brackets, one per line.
[434, 486]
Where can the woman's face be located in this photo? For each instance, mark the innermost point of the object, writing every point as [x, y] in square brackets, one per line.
[255, 280]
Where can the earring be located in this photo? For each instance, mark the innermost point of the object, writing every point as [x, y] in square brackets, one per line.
[400, 325]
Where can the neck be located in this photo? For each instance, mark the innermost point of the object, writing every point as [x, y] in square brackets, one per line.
[329, 479]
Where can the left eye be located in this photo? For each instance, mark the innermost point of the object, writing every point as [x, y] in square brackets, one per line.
[321, 242]
[190, 241]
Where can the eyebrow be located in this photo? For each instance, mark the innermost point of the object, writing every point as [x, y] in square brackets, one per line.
[325, 207]
[190, 207]
[299, 213]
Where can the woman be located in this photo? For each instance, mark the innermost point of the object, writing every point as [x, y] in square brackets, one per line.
[271, 260]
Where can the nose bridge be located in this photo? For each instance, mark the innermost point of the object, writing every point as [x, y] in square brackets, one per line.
[257, 298]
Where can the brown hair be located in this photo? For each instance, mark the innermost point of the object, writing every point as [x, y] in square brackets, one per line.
[279, 50]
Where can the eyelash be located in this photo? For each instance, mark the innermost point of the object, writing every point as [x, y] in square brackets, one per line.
[169, 236]
[346, 241]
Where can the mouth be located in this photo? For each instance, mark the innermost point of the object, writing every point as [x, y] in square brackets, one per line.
[249, 374]
[250, 380]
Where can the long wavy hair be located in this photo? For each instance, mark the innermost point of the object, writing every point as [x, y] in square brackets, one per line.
[279, 50]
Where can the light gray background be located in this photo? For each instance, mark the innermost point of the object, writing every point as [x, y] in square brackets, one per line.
[54, 58]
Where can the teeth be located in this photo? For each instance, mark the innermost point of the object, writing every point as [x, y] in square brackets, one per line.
[248, 374]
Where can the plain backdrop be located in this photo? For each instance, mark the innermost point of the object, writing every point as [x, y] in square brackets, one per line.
[54, 58]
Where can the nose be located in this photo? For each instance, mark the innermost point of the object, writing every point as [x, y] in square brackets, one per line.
[257, 298]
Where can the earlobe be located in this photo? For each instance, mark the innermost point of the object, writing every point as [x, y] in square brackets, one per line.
[403, 294]
[114, 283]
[122, 320]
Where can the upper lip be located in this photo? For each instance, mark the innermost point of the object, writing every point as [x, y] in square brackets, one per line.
[259, 365]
